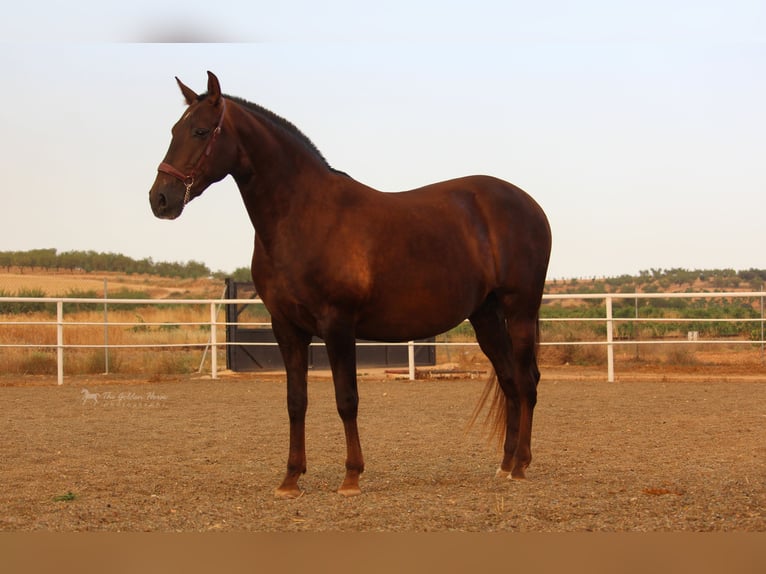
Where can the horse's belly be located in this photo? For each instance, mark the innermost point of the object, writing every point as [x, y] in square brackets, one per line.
[407, 322]
[398, 334]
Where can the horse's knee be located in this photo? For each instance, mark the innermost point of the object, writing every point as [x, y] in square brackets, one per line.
[347, 405]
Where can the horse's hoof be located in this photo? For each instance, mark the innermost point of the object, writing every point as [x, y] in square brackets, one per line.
[349, 491]
[502, 473]
[518, 474]
[288, 493]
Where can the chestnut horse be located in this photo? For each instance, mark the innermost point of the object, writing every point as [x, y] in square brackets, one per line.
[337, 259]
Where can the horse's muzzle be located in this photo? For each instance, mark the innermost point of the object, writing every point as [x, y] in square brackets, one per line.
[166, 203]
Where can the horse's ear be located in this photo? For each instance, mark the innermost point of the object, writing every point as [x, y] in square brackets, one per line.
[188, 93]
[213, 88]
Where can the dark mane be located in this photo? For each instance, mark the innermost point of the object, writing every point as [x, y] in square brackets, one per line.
[282, 123]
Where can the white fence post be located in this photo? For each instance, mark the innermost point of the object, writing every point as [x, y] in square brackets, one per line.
[411, 359]
[763, 356]
[213, 342]
[60, 340]
[106, 327]
[609, 341]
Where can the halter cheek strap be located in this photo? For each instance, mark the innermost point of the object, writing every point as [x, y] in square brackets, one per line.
[188, 178]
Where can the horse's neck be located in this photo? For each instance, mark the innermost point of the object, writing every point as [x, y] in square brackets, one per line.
[276, 175]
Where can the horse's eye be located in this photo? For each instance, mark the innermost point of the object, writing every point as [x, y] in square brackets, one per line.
[201, 132]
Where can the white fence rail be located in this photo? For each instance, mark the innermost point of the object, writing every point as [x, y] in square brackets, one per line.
[214, 342]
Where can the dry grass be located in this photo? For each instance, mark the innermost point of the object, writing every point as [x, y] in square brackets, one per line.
[143, 325]
[62, 283]
[184, 327]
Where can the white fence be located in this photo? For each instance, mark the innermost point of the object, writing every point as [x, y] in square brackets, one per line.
[215, 341]
[610, 321]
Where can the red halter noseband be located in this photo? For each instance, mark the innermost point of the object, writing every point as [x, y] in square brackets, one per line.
[188, 178]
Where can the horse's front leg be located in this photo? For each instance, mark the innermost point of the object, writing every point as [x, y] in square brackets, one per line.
[341, 350]
[294, 346]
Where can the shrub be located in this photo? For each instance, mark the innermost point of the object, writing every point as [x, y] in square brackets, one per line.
[24, 307]
[39, 363]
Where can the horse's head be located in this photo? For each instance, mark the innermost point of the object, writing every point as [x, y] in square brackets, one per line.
[199, 154]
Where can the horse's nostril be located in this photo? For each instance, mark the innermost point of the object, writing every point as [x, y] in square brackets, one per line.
[162, 201]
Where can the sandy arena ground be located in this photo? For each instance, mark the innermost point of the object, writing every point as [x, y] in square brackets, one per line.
[194, 454]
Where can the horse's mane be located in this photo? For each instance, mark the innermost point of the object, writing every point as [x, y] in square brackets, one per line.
[282, 123]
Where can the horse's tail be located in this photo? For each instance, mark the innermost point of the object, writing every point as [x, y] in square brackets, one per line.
[495, 421]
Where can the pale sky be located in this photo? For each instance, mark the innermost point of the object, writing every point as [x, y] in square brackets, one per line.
[639, 127]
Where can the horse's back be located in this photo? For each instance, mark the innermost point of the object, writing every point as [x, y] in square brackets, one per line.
[446, 246]
[501, 203]
[508, 221]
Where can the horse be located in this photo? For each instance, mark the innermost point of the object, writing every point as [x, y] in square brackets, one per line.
[337, 259]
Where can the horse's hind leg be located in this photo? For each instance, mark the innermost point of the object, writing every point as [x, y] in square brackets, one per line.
[509, 339]
[489, 324]
[523, 332]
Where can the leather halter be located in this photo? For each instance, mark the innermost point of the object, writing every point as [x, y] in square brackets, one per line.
[188, 178]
